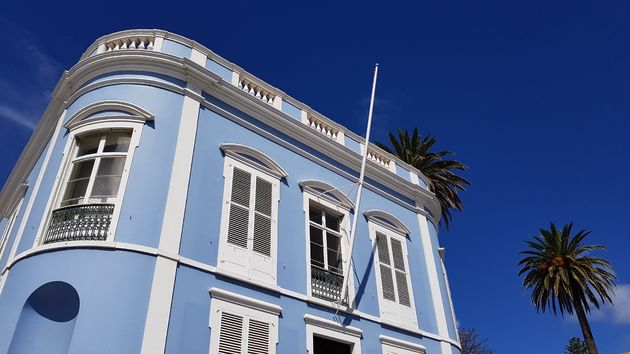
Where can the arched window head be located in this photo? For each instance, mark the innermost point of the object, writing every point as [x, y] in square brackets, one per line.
[328, 192]
[387, 220]
[108, 111]
[254, 158]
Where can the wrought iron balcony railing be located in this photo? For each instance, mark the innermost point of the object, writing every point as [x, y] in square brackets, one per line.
[80, 223]
[326, 284]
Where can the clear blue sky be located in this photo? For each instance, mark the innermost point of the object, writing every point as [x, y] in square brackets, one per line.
[532, 96]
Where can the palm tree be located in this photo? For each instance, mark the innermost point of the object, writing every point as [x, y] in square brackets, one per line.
[562, 276]
[445, 183]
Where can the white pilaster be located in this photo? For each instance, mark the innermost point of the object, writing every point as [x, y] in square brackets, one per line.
[446, 348]
[198, 57]
[277, 103]
[434, 284]
[235, 78]
[157, 45]
[158, 315]
[304, 116]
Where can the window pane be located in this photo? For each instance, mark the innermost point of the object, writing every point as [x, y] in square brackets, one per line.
[315, 215]
[333, 242]
[105, 186]
[117, 142]
[316, 235]
[334, 261]
[76, 189]
[317, 255]
[88, 144]
[111, 166]
[82, 169]
[332, 222]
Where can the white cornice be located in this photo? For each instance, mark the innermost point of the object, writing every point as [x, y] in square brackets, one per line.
[137, 113]
[395, 342]
[332, 325]
[236, 151]
[245, 301]
[316, 187]
[387, 220]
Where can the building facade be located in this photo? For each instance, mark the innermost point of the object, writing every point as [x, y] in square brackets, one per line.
[171, 202]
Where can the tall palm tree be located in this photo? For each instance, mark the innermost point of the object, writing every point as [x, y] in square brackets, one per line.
[445, 183]
[562, 276]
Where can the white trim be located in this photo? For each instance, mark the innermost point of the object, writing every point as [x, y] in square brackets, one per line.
[136, 113]
[340, 199]
[4, 240]
[129, 247]
[345, 244]
[399, 343]
[391, 222]
[173, 221]
[198, 57]
[392, 310]
[434, 285]
[219, 305]
[316, 326]
[156, 324]
[446, 348]
[245, 301]
[240, 152]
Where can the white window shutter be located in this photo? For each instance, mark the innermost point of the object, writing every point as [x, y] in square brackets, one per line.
[387, 281]
[262, 218]
[401, 275]
[239, 208]
[258, 337]
[231, 334]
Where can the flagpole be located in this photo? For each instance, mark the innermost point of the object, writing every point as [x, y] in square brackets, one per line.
[357, 203]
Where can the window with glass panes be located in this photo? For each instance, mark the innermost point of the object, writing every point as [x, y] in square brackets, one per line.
[97, 168]
[325, 239]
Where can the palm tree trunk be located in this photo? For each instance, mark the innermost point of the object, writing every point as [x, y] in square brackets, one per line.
[586, 328]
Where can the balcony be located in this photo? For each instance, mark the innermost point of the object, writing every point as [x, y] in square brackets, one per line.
[85, 222]
[326, 284]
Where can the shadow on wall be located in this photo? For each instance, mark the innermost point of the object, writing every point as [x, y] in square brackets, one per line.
[47, 320]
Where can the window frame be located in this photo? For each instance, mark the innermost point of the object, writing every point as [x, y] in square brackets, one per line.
[248, 308]
[406, 314]
[127, 117]
[316, 326]
[231, 162]
[344, 225]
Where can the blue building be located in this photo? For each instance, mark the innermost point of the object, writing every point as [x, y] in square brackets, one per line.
[171, 202]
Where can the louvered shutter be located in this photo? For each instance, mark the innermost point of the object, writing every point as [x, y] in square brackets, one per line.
[238, 225]
[262, 217]
[401, 275]
[258, 337]
[387, 281]
[231, 334]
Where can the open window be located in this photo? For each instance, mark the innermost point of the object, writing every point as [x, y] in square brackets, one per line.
[101, 142]
[327, 213]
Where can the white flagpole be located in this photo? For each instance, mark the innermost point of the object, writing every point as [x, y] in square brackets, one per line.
[357, 203]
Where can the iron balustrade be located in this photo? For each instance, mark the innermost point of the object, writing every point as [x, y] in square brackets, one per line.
[326, 284]
[84, 222]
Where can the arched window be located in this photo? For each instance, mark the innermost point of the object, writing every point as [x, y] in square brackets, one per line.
[249, 223]
[102, 138]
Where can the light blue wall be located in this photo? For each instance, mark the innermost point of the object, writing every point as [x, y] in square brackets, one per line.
[189, 331]
[402, 172]
[352, 144]
[30, 181]
[225, 73]
[200, 238]
[175, 48]
[450, 321]
[291, 110]
[130, 74]
[113, 288]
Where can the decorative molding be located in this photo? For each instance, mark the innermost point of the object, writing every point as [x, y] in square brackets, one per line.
[325, 190]
[395, 342]
[332, 325]
[387, 220]
[241, 300]
[137, 113]
[240, 152]
[15, 200]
